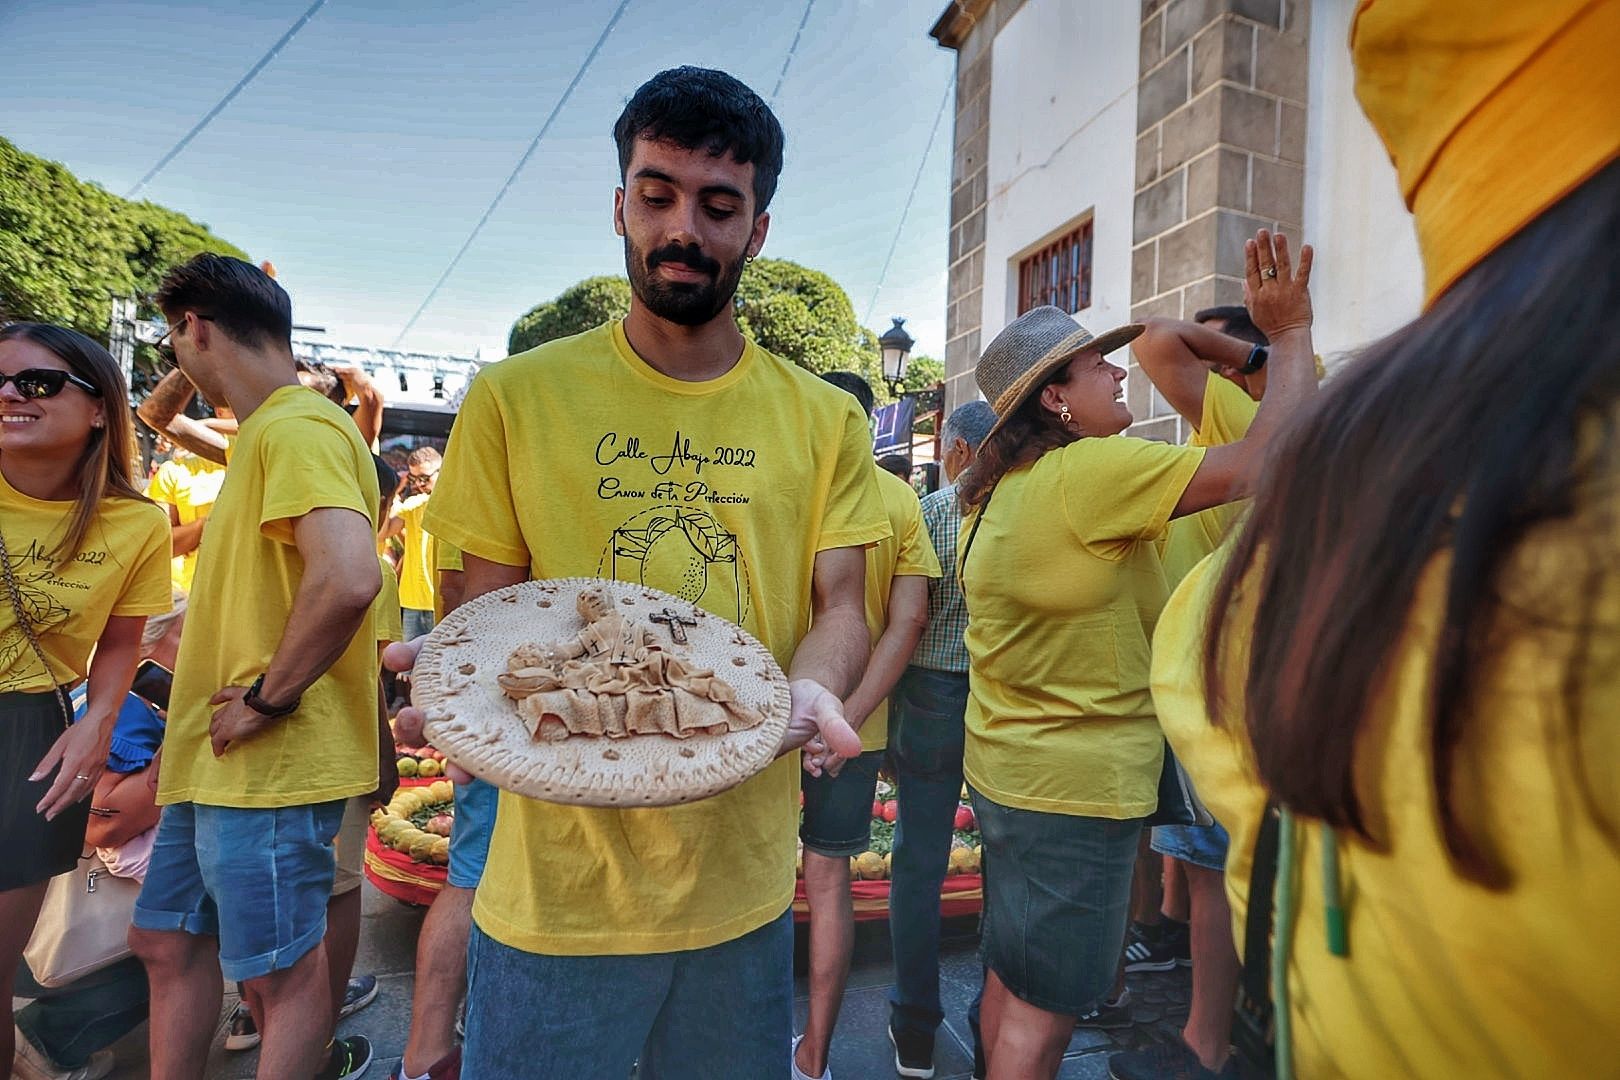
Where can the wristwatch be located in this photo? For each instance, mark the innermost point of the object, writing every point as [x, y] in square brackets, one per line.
[253, 701]
[1257, 360]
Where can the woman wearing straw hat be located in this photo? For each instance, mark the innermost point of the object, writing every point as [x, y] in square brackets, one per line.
[1063, 586]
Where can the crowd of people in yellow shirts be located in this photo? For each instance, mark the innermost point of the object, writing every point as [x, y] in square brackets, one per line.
[1376, 623]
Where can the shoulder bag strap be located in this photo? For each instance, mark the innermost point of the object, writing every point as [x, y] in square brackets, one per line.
[27, 627]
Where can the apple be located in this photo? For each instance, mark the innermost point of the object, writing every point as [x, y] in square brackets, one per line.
[964, 817]
[891, 810]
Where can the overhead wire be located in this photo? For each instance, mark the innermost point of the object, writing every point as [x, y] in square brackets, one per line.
[787, 60]
[230, 95]
[916, 180]
[511, 179]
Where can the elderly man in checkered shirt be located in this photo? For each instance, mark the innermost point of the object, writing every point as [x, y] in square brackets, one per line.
[925, 748]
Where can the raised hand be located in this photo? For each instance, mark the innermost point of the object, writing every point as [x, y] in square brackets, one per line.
[1277, 295]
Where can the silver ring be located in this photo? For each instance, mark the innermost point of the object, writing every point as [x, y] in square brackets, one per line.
[80, 776]
[1269, 272]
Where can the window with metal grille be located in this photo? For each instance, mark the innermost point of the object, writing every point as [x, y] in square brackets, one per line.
[1058, 274]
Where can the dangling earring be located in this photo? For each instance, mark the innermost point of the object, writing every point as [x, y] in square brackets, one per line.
[1064, 414]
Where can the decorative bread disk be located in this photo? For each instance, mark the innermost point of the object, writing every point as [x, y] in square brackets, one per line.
[600, 693]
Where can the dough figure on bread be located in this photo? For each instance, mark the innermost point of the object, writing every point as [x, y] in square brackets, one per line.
[616, 679]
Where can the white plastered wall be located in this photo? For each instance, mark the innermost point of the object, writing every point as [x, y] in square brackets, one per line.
[1368, 278]
[1062, 147]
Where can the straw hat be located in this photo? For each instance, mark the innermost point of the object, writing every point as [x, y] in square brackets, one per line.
[1030, 349]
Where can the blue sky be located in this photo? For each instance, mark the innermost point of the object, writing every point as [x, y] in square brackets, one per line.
[360, 158]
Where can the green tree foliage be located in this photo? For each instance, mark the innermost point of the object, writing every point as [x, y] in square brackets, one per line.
[66, 245]
[590, 303]
[797, 313]
[923, 373]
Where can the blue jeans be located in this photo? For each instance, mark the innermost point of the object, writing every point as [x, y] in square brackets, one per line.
[257, 879]
[701, 1014]
[925, 747]
[74, 1021]
[415, 622]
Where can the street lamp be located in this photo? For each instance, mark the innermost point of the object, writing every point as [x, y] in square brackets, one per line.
[896, 345]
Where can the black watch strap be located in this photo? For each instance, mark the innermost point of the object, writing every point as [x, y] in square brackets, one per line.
[1257, 360]
[253, 701]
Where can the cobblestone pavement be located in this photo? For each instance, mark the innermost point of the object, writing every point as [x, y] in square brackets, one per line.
[860, 1049]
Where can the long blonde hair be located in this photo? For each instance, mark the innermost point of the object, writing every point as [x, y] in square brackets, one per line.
[104, 466]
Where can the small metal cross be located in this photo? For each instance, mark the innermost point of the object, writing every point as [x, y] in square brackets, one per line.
[676, 622]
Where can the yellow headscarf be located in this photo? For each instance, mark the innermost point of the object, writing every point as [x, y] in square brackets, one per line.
[1491, 110]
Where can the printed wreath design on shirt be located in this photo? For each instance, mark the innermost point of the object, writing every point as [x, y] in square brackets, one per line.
[44, 613]
[685, 552]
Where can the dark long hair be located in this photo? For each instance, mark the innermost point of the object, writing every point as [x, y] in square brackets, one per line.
[1031, 431]
[1490, 416]
[104, 466]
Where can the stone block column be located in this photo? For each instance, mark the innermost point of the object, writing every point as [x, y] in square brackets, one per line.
[1220, 152]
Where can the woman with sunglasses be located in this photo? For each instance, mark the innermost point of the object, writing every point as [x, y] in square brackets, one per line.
[84, 559]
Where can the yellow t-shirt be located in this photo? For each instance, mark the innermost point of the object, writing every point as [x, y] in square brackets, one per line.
[417, 572]
[908, 552]
[1444, 978]
[295, 453]
[579, 459]
[1063, 585]
[1228, 412]
[190, 484]
[122, 568]
[446, 557]
[385, 609]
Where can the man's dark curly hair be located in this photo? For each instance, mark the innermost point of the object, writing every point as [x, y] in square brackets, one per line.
[700, 108]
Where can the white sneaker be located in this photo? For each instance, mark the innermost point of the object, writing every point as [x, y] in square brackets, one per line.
[31, 1064]
[793, 1061]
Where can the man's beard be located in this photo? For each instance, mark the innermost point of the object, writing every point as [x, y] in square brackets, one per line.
[680, 302]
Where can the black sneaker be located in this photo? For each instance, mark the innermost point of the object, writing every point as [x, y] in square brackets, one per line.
[242, 1035]
[1108, 1015]
[1166, 1061]
[348, 1059]
[1158, 948]
[360, 993]
[913, 1053]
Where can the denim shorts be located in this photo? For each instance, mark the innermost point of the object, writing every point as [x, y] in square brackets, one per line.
[257, 879]
[1057, 889]
[838, 809]
[350, 845]
[1201, 845]
[720, 1013]
[469, 839]
[415, 622]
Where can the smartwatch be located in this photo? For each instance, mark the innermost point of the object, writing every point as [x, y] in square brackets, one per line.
[253, 701]
[1257, 360]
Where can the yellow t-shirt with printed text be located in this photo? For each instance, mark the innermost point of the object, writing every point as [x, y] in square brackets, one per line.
[190, 484]
[1445, 978]
[122, 568]
[1063, 584]
[908, 552]
[579, 459]
[1228, 412]
[417, 570]
[295, 453]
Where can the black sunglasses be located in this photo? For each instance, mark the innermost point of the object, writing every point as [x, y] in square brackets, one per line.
[165, 349]
[36, 383]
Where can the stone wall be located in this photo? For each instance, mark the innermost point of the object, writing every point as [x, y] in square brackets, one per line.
[969, 27]
[1220, 152]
